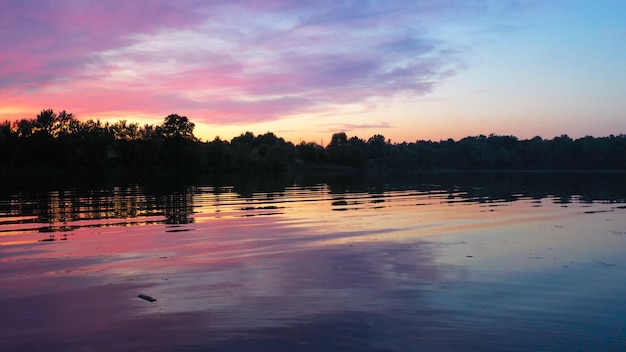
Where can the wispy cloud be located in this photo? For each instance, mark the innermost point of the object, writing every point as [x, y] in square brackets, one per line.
[223, 62]
[47, 42]
[344, 127]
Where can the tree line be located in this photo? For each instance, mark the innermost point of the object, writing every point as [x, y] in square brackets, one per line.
[60, 140]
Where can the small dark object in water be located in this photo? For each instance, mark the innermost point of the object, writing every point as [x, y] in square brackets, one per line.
[147, 298]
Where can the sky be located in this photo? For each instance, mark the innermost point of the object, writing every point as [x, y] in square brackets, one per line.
[409, 70]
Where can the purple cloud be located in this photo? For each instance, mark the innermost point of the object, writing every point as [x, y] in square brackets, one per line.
[347, 127]
[46, 41]
[223, 62]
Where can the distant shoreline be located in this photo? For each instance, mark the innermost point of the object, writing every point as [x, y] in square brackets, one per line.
[59, 141]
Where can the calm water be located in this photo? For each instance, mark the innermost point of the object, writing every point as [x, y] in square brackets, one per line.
[445, 262]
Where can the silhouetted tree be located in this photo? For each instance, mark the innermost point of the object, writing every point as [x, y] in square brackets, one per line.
[219, 155]
[45, 121]
[348, 152]
[377, 146]
[310, 152]
[275, 152]
[244, 139]
[60, 140]
[176, 126]
[338, 139]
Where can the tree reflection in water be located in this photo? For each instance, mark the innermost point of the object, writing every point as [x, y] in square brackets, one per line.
[433, 261]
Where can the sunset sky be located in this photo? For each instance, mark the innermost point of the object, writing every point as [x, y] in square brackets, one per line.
[409, 70]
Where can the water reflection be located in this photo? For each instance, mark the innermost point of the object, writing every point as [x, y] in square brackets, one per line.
[66, 210]
[63, 210]
[447, 262]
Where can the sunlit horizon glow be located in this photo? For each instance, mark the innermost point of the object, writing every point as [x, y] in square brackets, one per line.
[408, 70]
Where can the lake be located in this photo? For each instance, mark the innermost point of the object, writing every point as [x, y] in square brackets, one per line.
[379, 262]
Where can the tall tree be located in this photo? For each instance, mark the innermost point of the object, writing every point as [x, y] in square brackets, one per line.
[176, 126]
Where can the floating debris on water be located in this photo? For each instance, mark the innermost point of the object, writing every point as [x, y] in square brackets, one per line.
[147, 298]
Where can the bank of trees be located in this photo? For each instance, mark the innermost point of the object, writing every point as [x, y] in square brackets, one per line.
[60, 140]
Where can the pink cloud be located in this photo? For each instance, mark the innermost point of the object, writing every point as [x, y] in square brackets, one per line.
[48, 41]
[221, 62]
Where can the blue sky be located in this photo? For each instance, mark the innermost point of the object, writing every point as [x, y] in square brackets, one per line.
[406, 69]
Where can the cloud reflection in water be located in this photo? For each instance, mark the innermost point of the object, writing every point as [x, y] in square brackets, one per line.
[280, 270]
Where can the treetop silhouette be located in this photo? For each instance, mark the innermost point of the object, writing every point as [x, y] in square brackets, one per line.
[60, 140]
